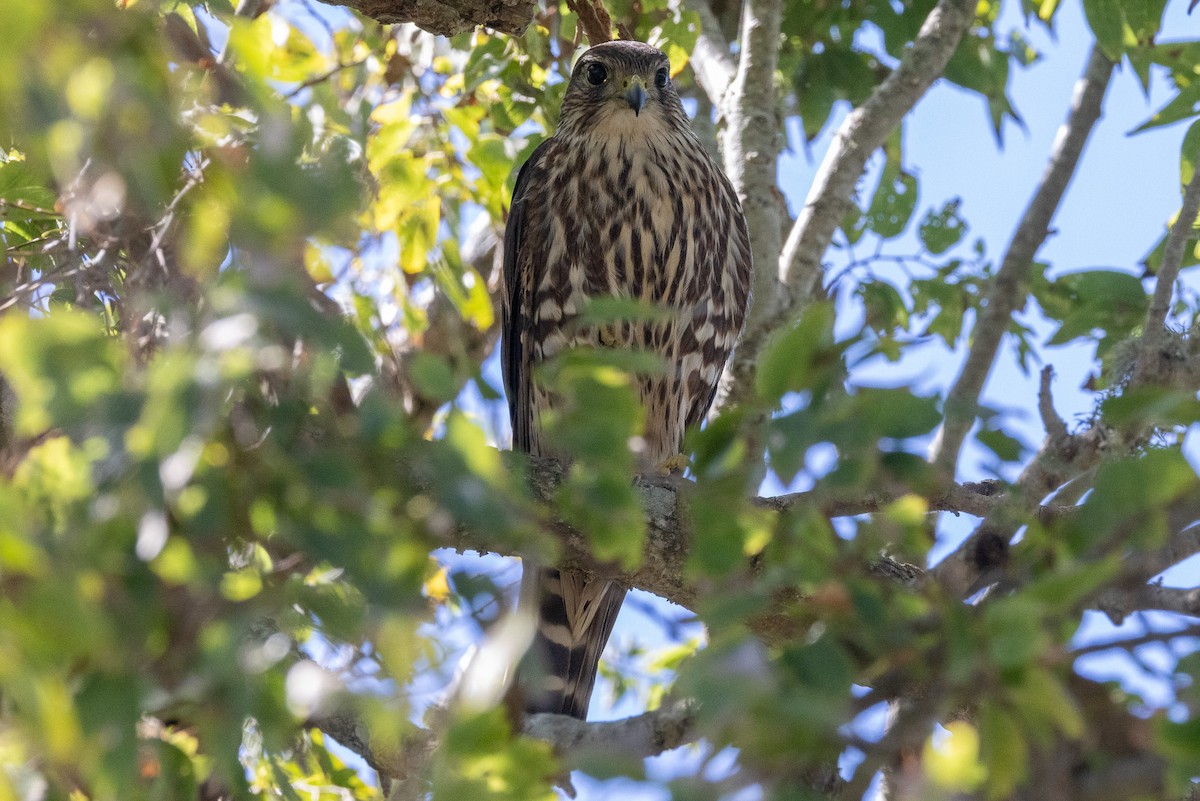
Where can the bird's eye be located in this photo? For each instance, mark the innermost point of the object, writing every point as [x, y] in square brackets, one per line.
[596, 74]
[661, 78]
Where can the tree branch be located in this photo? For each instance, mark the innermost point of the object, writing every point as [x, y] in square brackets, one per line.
[665, 500]
[1008, 290]
[1118, 604]
[448, 17]
[637, 737]
[832, 193]
[713, 66]
[594, 20]
[1155, 332]
[752, 142]
[645, 735]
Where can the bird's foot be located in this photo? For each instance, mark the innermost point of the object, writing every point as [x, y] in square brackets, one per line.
[673, 465]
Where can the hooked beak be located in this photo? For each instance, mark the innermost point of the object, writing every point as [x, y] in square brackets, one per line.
[635, 95]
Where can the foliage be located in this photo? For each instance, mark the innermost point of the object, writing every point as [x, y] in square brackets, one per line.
[248, 298]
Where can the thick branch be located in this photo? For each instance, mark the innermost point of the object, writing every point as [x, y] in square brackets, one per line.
[594, 20]
[832, 193]
[645, 735]
[665, 500]
[448, 17]
[1008, 290]
[752, 141]
[1119, 604]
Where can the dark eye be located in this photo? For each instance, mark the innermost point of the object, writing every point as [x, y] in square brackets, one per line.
[596, 74]
[661, 78]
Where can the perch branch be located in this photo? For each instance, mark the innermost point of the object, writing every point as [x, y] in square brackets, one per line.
[1008, 291]
[645, 735]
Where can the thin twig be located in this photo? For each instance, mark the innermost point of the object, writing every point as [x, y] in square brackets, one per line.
[324, 76]
[1056, 428]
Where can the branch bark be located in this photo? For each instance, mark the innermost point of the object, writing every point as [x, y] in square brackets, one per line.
[594, 20]
[645, 735]
[713, 66]
[1007, 293]
[1155, 333]
[664, 557]
[448, 17]
[832, 193]
[752, 142]
[637, 737]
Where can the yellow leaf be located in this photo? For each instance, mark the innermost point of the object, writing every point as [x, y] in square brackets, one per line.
[316, 262]
[952, 762]
[437, 586]
[908, 510]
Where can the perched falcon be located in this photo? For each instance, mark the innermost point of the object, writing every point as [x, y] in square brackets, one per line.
[621, 201]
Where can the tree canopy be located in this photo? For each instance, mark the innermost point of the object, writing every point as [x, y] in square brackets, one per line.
[251, 446]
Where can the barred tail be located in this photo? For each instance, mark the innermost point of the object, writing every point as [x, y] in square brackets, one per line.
[575, 616]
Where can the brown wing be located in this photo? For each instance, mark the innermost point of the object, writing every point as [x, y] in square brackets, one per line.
[523, 266]
[730, 299]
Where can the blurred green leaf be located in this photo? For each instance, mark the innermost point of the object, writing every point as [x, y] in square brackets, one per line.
[943, 229]
[1003, 750]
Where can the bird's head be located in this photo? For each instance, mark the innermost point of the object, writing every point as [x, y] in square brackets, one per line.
[621, 86]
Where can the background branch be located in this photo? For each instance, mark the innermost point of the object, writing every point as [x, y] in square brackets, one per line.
[448, 17]
[713, 66]
[1008, 290]
[832, 193]
[752, 142]
[1154, 334]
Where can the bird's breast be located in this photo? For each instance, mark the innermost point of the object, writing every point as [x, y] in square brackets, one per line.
[625, 220]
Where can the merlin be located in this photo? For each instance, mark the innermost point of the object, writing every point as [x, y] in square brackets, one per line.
[623, 202]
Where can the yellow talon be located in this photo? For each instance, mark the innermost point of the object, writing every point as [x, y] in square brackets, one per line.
[673, 464]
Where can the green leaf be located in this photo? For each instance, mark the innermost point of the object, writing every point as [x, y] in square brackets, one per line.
[795, 357]
[895, 413]
[1006, 447]
[1015, 636]
[822, 666]
[885, 308]
[1002, 749]
[1181, 107]
[1106, 301]
[60, 367]
[1107, 21]
[432, 377]
[943, 229]
[1144, 19]
[1189, 153]
[892, 206]
[1047, 705]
